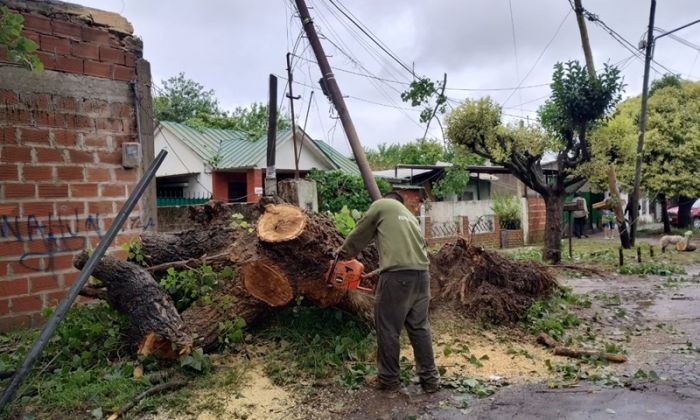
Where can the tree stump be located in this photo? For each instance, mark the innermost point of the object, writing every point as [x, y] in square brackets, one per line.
[290, 256]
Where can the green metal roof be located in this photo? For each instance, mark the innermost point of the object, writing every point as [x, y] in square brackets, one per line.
[235, 151]
[336, 157]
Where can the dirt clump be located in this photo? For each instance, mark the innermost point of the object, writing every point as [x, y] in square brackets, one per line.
[487, 285]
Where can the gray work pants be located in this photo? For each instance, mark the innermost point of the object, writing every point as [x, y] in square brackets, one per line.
[402, 299]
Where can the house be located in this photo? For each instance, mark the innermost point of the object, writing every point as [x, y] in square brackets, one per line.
[415, 182]
[224, 165]
[472, 211]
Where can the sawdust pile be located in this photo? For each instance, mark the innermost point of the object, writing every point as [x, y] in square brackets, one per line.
[486, 285]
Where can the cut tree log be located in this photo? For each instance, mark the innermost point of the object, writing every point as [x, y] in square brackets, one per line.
[290, 255]
[548, 341]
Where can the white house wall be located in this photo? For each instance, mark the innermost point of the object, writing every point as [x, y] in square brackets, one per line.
[310, 157]
[181, 160]
[444, 211]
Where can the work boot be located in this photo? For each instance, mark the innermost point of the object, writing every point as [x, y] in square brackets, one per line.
[430, 387]
[374, 383]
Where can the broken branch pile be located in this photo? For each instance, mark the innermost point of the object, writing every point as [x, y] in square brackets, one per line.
[487, 285]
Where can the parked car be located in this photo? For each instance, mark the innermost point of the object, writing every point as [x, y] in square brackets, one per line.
[694, 214]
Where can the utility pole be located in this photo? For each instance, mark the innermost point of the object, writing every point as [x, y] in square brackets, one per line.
[584, 37]
[612, 179]
[634, 200]
[270, 173]
[338, 101]
[290, 78]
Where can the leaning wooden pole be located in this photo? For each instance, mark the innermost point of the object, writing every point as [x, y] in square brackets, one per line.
[617, 208]
[338, 101]
[634, 199]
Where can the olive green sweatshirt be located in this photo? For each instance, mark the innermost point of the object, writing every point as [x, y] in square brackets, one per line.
[396, 233]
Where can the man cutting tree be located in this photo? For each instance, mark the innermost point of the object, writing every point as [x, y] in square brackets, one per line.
[402, 294]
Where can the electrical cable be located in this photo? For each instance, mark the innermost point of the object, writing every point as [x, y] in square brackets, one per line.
[372, 37]
[539, 57]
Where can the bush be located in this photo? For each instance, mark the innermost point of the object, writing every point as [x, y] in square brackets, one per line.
[345, 220]
[507, 208]
[337, 189]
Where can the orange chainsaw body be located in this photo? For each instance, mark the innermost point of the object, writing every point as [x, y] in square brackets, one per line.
[346, 275]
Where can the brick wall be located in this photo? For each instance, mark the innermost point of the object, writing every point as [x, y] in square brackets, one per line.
[61, 136]
[513, 238]
[536, 216]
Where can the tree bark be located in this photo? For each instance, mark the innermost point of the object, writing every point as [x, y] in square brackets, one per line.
[664, 213]
[131, 290]
[625, 240]
[554, 208]
[685, 205]
[159, 248]
[290, 256]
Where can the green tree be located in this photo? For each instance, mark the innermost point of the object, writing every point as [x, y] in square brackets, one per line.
[182, 98]
[578, 103]
[250, 120]
[338, 189]
[671, 158]
[185, 101]
[20, 49]
[418, 152]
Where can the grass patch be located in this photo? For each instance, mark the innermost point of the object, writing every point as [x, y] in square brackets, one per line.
[322, 344]
[554, 314]
[653, 268]
[605, 254]
[82, 368]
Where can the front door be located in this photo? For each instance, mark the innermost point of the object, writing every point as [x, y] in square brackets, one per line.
[237, 192]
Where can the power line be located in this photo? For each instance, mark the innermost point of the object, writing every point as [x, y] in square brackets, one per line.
[546, 47]
[382, 79]
[515, 46]
[619, 38]
[371, 36]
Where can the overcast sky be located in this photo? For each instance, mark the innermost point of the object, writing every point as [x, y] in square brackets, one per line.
[232, 45]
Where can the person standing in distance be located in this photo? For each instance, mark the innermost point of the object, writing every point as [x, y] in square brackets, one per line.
[580, 216]
[402, 294]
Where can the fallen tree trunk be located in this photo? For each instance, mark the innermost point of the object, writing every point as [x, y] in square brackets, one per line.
[131, 290]
[286, 259]
[161, 248]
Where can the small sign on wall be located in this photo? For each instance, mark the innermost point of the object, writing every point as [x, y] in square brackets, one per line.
[258, 190]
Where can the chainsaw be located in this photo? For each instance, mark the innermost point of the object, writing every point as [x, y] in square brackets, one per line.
[347, 275]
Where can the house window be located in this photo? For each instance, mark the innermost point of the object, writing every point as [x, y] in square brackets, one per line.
[237, 192]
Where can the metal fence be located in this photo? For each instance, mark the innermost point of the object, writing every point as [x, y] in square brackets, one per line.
[168, 201]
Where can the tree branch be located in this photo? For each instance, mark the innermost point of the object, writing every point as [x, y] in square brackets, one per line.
[94, 292]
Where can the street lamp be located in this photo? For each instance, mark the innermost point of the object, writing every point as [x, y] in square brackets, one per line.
[648, 45]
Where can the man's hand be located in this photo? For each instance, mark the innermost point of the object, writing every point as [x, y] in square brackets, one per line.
[339, 252]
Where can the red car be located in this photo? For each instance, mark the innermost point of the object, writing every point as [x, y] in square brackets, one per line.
[694, 214]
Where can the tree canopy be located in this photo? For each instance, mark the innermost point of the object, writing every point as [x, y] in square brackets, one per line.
[419, 152]
[579, 102]
[672, 149]
[185, 101]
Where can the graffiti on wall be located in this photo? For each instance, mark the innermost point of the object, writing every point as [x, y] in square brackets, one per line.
[57, 234]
